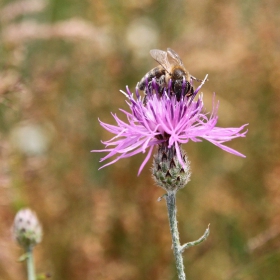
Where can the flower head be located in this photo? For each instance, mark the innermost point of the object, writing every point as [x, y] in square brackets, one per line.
[27, 229]
[162, 118]
[167, 171]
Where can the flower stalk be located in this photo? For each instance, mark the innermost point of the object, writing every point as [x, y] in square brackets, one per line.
[30, 264]
[178, 250]
[170, 198]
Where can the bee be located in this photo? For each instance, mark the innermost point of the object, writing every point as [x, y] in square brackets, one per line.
[171, 68]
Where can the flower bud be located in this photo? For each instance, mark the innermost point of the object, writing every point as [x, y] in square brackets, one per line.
[27, 229]
[167, 171]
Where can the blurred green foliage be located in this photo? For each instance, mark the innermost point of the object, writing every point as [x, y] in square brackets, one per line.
[62, 64]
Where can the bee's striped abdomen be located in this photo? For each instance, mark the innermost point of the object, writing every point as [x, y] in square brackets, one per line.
[156, 72]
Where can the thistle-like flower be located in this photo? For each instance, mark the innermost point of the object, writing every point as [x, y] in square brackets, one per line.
[162, 120]
[166, 119]
[27, 230]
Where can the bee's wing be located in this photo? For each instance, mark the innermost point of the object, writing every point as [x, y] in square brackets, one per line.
[174, 58]
[161, 57]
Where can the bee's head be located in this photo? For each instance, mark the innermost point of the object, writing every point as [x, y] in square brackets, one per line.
[178, 74]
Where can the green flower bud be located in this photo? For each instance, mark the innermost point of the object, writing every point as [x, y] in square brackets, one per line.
[167, 171]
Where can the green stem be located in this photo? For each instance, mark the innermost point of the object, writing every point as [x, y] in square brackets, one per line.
[171, 208]
[30, 264]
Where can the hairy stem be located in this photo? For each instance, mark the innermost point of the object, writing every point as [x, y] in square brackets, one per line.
[171, 208]
[30, 264]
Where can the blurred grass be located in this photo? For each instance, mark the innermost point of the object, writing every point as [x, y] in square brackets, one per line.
[61, 68]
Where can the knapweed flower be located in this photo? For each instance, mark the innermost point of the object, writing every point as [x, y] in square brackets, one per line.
[161, 119]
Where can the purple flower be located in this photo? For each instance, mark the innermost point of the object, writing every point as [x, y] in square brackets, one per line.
[160, 119]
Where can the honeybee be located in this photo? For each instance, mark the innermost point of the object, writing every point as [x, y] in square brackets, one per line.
[171, 67]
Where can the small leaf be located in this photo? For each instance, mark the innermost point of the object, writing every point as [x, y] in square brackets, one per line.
[22, 258]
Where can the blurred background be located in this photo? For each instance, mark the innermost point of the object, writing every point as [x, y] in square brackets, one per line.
[62, 64]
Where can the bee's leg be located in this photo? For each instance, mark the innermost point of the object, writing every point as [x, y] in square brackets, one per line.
[194, 78]
[190, 91]
[198, 80]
